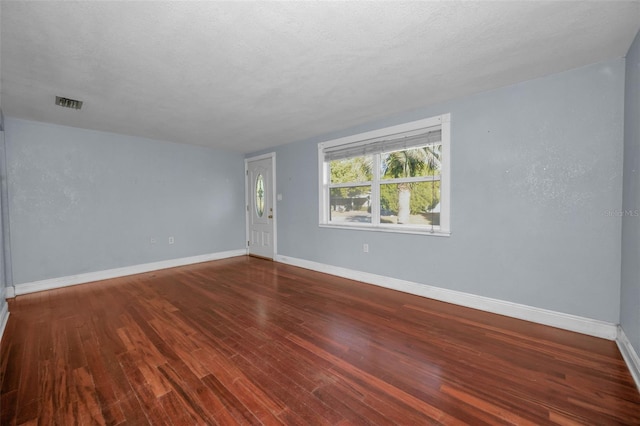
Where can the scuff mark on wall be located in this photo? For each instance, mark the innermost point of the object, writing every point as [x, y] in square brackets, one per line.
[558, 177]
[39, 188]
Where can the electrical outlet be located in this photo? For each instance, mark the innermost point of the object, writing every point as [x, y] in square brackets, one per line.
[152, 240]
[171, 240]
[365, 248]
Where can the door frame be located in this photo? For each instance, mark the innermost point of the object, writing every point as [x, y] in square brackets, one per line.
[247, 194]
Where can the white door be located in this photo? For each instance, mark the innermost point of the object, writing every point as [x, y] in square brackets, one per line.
[260, 208]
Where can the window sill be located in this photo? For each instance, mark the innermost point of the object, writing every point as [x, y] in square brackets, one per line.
[394, 230]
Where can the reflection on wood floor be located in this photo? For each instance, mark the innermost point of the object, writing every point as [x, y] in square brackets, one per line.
[248, 341]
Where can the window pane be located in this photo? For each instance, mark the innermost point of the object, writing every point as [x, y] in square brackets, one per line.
[259, 195]
[356, 169]
[350, 205]
[414, 162]
[410, 203]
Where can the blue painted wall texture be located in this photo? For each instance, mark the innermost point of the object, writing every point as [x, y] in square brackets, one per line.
[630, 298]
[536, 179]
[84, 201]
[4, 306]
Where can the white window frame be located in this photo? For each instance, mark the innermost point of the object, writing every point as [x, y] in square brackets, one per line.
[444, 229]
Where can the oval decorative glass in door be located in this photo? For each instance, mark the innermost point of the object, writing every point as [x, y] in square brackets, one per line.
[259, 195]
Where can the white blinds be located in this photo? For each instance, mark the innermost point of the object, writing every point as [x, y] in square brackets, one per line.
[389, 143]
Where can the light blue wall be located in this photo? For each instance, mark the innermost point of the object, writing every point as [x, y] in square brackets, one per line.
[84, 201]
[4, 306]
[3, 280]
[630, 293]
[535, 169]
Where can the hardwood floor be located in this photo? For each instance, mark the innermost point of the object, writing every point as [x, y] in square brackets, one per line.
[248, 341]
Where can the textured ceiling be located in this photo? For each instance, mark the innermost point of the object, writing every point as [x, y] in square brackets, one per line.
[251, 75]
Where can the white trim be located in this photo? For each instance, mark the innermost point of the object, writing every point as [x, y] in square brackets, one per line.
[271, 155]
[246, 204]
[274, 204]
[323, 179]
[4, 318]
[70, 280]
[396, 229]
[445, 177]
[570, 322]
[443, 229]
[629, 355]
[10, 292]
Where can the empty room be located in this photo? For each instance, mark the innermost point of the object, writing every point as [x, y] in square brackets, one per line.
[319, 213]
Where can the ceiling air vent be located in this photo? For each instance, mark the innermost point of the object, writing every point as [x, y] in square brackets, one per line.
[68, 103]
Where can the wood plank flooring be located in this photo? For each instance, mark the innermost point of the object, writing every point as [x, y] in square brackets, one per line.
[248, 341]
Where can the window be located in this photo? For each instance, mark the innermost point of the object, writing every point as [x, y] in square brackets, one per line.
[394, 179]
[259, 195]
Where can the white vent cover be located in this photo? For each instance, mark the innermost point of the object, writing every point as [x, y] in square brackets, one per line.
[68, 103]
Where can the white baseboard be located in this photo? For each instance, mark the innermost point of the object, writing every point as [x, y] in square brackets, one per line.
[570, 322]
[630, 355]
[70, 280]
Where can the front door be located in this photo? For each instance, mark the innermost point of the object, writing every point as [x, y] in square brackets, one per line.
[260, 215]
